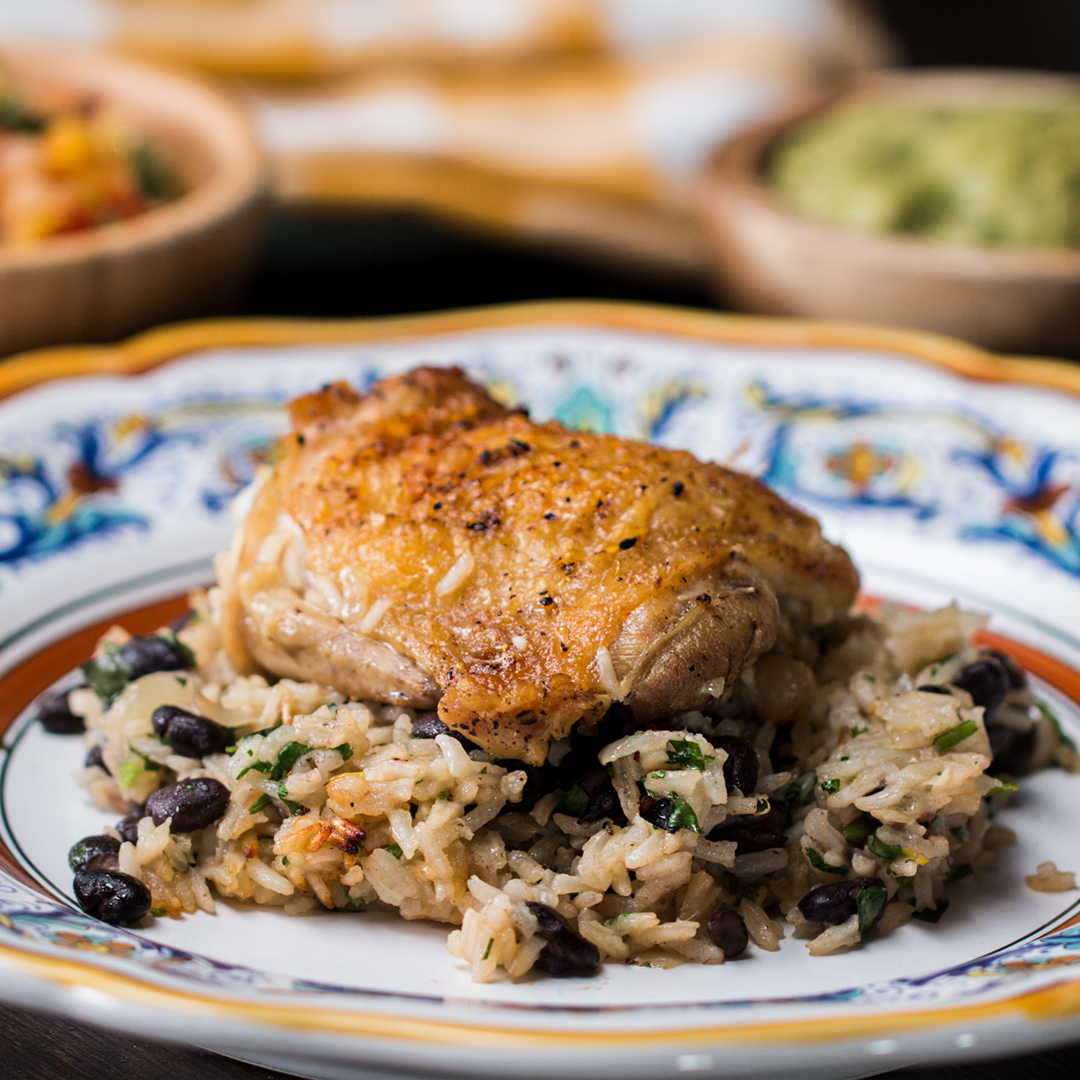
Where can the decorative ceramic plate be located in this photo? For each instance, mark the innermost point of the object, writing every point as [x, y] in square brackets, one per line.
[947, 472]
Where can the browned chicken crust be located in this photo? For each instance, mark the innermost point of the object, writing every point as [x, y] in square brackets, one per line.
[422, 544]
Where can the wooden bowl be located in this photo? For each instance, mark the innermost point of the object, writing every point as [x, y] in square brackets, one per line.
[187, 257]
[767, 258]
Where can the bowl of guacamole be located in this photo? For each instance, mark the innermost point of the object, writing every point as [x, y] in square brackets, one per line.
[1003, 175]
[941, 200]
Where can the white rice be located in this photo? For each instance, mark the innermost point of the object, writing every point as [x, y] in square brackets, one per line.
[368, 817]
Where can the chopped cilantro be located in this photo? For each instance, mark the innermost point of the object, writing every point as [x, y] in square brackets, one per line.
[487, 951]
[830, 787]
[687, 753]
[796, 794]
[345, 750]
[230, 749]
[1055, 723]
[159, 912]
[869, 904]
[288, 756]
[818, 863]
[948, 739]
[883, 850]
[150, 766]
[258, 804]
[932, 915]
[858, 830]
[751, 895]
[284, 860]
[792, 801]
[258, 766]
[574, 802]
[108, 673]
[682, 816]
[395, 850]
[1006, 787]
[283, 795]
[445, 796]
[130, 771]
[856, 731]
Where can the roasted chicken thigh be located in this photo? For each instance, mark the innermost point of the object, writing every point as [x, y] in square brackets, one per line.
[422, 544]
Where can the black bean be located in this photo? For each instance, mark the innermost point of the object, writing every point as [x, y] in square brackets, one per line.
[129, 830]
[1017, 676]
[95, 758]
[657, 811]
[427, 725]
[835, 903]
[986, 681]
[742, 765]
[128, 825]
[933, 688]
[55, 715]
[192, 804]
[187, 733]
[94, 853]
[603, 799]
[153, 652]
[727, 931]
[750, 833]
[1011, 749]
[111, 896]
[566, 951]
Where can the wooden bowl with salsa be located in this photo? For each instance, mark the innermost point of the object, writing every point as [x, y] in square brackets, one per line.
[943, 200]
[128, 196]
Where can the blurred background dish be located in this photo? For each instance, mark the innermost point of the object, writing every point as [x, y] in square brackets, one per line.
[770, 256]
[433, 153]
[575, 125]
[142, 199]
[310, 39]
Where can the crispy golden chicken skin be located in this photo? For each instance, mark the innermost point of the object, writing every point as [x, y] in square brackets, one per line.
[424, 545]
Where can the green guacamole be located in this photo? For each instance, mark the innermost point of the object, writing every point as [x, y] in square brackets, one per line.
[1001, 176]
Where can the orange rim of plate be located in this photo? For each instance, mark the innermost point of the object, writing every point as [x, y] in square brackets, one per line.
[147, 351]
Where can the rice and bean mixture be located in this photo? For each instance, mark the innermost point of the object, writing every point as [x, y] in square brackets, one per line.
[833, 793]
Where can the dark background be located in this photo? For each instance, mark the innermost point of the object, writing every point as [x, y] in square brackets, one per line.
[339, 264]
